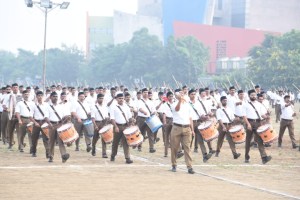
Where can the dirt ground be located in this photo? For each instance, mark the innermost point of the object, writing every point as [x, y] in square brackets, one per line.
[149, 177]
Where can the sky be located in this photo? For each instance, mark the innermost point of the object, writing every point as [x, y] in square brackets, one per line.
[23, 27]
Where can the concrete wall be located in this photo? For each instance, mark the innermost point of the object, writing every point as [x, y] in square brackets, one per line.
[150, 8]
[126, 24]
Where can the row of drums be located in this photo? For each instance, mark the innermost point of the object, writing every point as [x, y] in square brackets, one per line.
[208, 130]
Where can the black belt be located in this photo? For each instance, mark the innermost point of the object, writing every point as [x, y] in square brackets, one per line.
[143, 117]
[37, 120]
[198, 120]
[52, 122]
[169, 117]
[227, 124]
[287, 119]
[100, 121]
[254, 120]
[181, 125]
[24, 117]
[83, 119]
[122, 124]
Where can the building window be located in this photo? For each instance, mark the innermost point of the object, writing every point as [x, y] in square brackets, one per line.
[221, 49]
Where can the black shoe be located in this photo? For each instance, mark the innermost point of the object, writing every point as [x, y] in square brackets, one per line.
[217, 154]
[146, 137]
[33, 155]
[89, 148]
[152, 150]
[69, 144]
[31, 150]
[128, 161]
[65, 157]
[173, 169]
[207, 157]
[93, 152]
[211, 151]
[295, 146]
[104, 156]
[254, 145]
[165, 155]
[112, 158]
[179, 154]
[279, 145]
[47, 155]
[140, 149]
[77, 149]
[133, 147]
[266, 159]
[267, 145]
[157, 139]
[21, 150]
[236, 156]
[191, 171]
[195, 150]
[50, 159]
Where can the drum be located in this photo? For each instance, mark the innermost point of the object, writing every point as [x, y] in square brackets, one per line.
[133, 136]
[208, 130]
[29, 127]
[89, 127]
[45, 129]
[153, 123]
[266, 133]
[237, 134]
[107, 133]
[67, 133]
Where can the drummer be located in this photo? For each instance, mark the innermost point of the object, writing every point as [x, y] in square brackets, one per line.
[81, 111]
[99, 117]
[121, 118]
[225, 117]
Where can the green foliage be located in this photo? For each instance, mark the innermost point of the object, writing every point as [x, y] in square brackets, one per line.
[277, 61]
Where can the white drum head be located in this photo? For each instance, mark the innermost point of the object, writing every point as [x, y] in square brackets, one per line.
[44, 125]
[130, 130]
[64, 127]
[30, 124]
[235, 128]
[205, 125]
[105, 128]
[263, 128]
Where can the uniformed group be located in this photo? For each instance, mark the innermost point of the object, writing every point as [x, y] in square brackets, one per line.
[186, 116]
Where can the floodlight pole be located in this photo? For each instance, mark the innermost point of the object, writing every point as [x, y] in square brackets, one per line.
[44, 57]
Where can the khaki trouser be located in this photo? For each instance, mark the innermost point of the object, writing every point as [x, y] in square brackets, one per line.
[286, 124]
[277, 112]
[160, 115]
[229, 139]
[22, 133]
[53, 137]
[11, 126]
[80, 130]
[184, 136]
[257, 139]
[119, 136]
[140, 121]
[167, 133]
[96, 137]
[4, 125]
[35, 137]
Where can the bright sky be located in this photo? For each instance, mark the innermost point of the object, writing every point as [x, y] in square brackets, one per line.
[23, 27]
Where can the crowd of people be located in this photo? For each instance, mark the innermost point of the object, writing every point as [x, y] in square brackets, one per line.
[189, 119]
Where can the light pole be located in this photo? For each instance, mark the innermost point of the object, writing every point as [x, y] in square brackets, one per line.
[46, 6]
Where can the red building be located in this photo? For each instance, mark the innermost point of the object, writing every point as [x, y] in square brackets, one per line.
[222, 41]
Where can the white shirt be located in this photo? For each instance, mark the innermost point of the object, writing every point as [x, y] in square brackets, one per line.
[141, 104]
[220, 114]
[1, 98]
[15, 98]
[72, 99]
[91, 100]
[231, 101]
[250, 112]
[196, 106]
[156, 103]
[167, 109]
[132, 105]
[95, 113]
[239, 109]
[22, 109]
[77, 108]
[117, 115]
[184, 114]
[279, 99]
[206, 105]
[287, 112]
[36, 112]
[61, 110]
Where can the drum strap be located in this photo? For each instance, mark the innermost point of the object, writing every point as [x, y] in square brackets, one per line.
[123, 114]
[169, 106]
[227, 115]
[146, 106]
[27, 106]
[195, 109]
[55, 112]
[203, 106]
[38, 107]
[255, 110]
[83, 109]
[99, 112]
